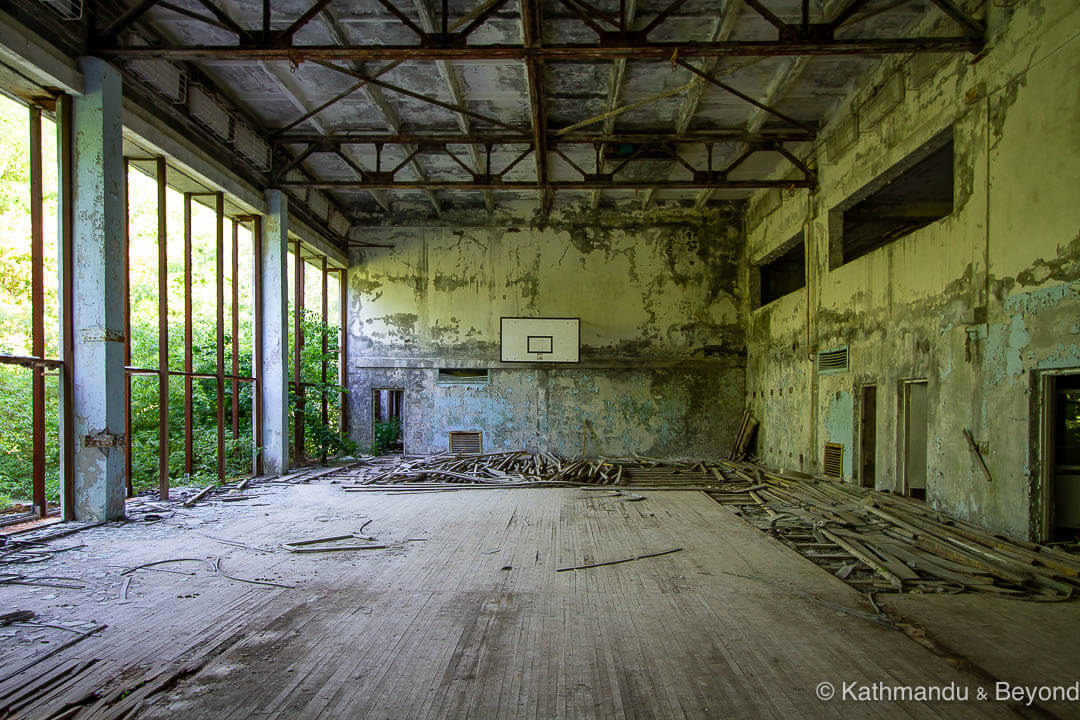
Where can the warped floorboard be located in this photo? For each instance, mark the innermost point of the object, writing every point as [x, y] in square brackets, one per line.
[465, 616]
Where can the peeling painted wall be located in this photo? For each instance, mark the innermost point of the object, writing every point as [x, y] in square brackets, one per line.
[662, 367]
[976, 303]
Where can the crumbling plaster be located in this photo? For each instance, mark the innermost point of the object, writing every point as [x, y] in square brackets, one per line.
[662, 351]
[974, 303]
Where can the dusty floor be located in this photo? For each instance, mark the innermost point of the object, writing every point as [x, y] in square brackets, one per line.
[464, 615]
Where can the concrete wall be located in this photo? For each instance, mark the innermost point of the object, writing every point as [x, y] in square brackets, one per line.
[977, 303]
[662, 356]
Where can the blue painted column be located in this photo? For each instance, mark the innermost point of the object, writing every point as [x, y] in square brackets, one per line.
[98, 290]
[273, 376]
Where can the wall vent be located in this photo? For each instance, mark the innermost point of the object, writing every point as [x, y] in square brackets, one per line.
[462, 376]
[834, 461]
[830, 361]
[466, 442]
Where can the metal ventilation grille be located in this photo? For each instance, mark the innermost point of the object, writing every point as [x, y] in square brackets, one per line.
[466, 443]
[832, 360]
[834, 461]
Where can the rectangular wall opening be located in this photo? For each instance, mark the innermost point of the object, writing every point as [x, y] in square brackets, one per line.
[387, 420]
[868, 437]
[1062, 397]
[916, 426]
[912, 194]
[462, 376]
[785, 273]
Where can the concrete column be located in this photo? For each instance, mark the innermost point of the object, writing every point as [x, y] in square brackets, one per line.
[274, 374]
[98, 289]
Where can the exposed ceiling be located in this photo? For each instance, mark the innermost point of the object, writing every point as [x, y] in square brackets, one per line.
[378, 105]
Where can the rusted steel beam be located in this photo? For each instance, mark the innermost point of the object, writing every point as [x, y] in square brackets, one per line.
[532, 36]
[127, 329]
[37, 305]
[189, 367]
[65, 141]
[219, 207]
[163, 333]
[613, 51]
[235, 330]
[328, 143]
[713, 180]
[743, 96]
[298, 349]
[257, 339]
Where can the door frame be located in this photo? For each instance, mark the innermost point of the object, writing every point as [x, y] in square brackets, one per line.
[902, 429]
[862, 434]
[1041, 434]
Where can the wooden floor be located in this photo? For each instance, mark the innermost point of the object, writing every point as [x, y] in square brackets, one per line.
[465, 616]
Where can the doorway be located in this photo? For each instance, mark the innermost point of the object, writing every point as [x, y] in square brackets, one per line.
[1062, 400]
[868, 437]
[916, 425]
[387, 420]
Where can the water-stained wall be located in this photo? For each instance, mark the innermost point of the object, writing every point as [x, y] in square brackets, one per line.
[977, 304]
[662, 350]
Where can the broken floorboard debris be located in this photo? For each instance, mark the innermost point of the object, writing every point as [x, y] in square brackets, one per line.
[900, 543]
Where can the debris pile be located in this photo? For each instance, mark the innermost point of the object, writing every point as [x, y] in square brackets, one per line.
[883, 541]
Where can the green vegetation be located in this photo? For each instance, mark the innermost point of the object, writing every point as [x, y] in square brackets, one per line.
[386, 435]
[16, 441]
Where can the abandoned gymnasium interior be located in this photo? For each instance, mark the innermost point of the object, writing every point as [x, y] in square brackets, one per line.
[539, 359]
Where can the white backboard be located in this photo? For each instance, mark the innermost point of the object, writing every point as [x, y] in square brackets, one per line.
[554, 340]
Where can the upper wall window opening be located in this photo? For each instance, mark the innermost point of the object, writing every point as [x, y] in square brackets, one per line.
[785, 273]
[912, 194]
[463, 376]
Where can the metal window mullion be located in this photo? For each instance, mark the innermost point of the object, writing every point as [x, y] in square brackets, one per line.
[325, 347]
[219, 370]
[235, 330]
[257, 340]
[298, 347]
[343, 347]
[189, 368]
[127, 332]
[67, 339]
[37, 302]
[163, 334]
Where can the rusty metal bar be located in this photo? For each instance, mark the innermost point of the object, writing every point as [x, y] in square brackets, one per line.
[613, 49]
[257, 340]
[31, 362]
[219, 370]
[189, 366]
[67, 216]
[127, 329]
[298, 348]
[416, 96]
[325, 348]
[133, 370]
[235, 330]
[705, 181]
[555, 137]
[163, 334]
[532, 34]
[37, 303]
[343, 346]
[743, 96]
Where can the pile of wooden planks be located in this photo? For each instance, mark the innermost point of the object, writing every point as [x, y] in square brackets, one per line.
[906, 545]
[524, 469]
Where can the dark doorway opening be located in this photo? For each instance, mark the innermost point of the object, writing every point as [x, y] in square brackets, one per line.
[387, 420]
[916, 425]
[868, 437]
[1064, 456]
